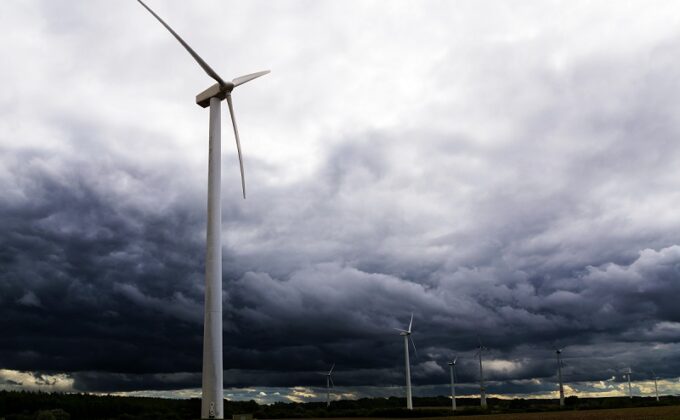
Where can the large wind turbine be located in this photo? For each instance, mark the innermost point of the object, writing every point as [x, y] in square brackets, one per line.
[482, 388]
[558, 352]
[452, 369]
[407, 336]
[212, 405]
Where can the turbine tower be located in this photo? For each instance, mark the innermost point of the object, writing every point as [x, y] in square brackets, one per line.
[407, 337]
[452, 369]
[558, 352]
[482, 388]
[212, 401]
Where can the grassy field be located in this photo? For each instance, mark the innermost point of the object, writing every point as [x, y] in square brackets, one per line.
[639, 413]
[34, 405]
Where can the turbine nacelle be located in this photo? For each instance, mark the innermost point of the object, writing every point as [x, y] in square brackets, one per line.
[217, 90]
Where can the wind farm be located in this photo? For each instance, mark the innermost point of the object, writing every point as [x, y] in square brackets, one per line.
[496, 182]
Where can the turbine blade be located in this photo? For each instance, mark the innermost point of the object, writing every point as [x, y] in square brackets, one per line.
[455, 359]
[400, 330]
[332, 383]
[186, 46]
[331, 371]
[410, 324]
[238, 145]
[415, 351]
[248, 77]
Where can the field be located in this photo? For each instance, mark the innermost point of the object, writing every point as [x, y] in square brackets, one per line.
[56, 406]
[639, 413]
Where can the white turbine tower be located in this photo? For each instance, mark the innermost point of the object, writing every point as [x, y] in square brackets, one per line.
[558, 352]
[407, 336]
[482, 388]
[212, 404]
[452, 369]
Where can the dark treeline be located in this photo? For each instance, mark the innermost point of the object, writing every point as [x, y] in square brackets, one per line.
[56, 406]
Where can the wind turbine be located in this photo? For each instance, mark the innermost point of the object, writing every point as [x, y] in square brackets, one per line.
[558, 352]
[407, 336]
[329, 384]
[452, 369]
[482, 388]
[630, 389]
[212, 404]
[656, 388]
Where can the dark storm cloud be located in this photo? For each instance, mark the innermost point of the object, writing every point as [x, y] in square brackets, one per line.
[128, 283]
[82, 267]
[551, 223]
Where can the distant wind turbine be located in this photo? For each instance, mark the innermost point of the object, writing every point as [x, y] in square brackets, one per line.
[212, 404]
[656, 387]
[452, 369]
[630, 389]
[482, 388]
[329, 384]
[558, 352]
[407, 337]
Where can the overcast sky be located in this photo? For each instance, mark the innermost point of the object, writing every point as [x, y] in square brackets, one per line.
[508, 172]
